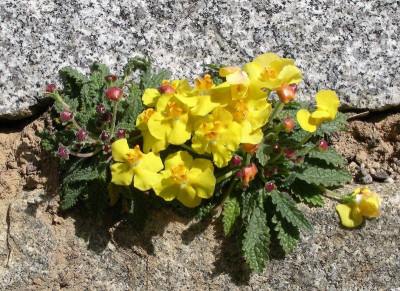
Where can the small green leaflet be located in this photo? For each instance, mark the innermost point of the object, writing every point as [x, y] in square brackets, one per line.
[323, 176]
[288, 234]
[331, 156]
[230, 213]
[307, 193]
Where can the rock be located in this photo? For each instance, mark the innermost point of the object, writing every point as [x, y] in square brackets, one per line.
[380, 175]
[175, 252]
[389, 180]
[341, 46]
[366, 179]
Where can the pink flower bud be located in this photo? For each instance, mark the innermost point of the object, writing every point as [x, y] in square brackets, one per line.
[100, 108]
[110, 78]
[63, 152]
[289, 153]
[106, 116]
[323, 145]
[298, 159]
[288, 124]
[121, 133]
[107, 148]
[66, 115]
[167, 89]
[286, 93]
[276, 149]
[275, 171]
[249, 172]
[267, 172]
[114, 93]
[81, 134]
[270, 186]
[294, 87]
[239, 175]
[236, 161]
[50, 88]
[105, 136]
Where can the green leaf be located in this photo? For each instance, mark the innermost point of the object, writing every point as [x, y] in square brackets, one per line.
[47, 141]
[150, 80]
[70, 195]
[292, 139]
[288, 234]
[338, 124]
[230, 213]
[215, 67]
[98, 199]
[256, 240]
[71, 75]
[85, 174]
[288, 180]
[331, 156]
[264, 152]
[288, 209]
[323, 176]
[248, 202]
[307, 193]
[102, 69]
[205, 209]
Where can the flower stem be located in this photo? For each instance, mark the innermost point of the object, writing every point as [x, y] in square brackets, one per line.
[230, 189]
[85, 155]
[334, 194]
[278, 108]
[114, 118]
[225, 176]
[278, 156]
[305, 139]
[135, 138]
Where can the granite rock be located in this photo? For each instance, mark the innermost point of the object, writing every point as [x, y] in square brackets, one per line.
[348, 46]
[42, 249]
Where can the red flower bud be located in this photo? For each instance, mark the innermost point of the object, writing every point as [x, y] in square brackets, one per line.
[106, 116]
[50, 88]
[276, 149]
[110, 78]
[286, 93]
[298, 159]
[105, 136]
[288, 124]
[270, 186]
[114, 93]
[267, 172]
[66, 115]
[107, 148]
[249, 172]
[63, 152]
[121, 133]
[236, 161]
[100, 108]
[323, 145]
[238, 175]
[250, 148]
[275, 171]
[289, 153]
[294, 87]
[167, 89]
[81, 134]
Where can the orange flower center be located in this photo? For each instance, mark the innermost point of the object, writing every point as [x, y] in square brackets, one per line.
[212, 133]
[147, 114]
[174, 110]
[241, 111]
[134, 155]
[203, 85]
[180, 174]
[269, 74]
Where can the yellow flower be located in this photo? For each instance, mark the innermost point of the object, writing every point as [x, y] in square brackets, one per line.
[149, 141]
[217, 134]
[271, 72]
[133, 164]
[170, 122]
[327, 108]
[365, 203]
[238, 80]
[151, 95]
[202, 92]
[186, 179]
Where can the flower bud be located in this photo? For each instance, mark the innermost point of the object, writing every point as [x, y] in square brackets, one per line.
[294, 87]
[106, 116]
[66, 115]
[105, 136]
[81, 134]
[110, 78]
[121, 133]
[288, 124]
[107, 148]
[276, 149]
[114, 93]
[275, 171]
[239, 175]
[298, 159]
[167, 89]
[244, 186]
[323, 145]
[63, 152]
[236, 161]
[100, 108]
[286, 93]
[270, 186]
[50, 88]
[250, 148]
[267, 172]
[289, 153]
[249, 172]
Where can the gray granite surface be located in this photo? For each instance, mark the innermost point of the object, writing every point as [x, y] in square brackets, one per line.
[351, 47]
[41, 249]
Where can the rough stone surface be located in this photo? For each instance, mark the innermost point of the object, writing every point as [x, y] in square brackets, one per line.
[348, 46]
[41, 249]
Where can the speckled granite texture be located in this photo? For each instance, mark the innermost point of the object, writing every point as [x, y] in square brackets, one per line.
[348, 46]
[48, 251]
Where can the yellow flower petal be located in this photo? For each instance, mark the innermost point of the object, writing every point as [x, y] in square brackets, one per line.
[328, 100]
[151, 162]
[122, 174]
[150, 97]
[159, 126]
[238, 77]
[349, 216]
[177, 158]
[225, 71]
[119, 149]
[221, 155]
[187, 196]
[180, 131]
[305, 121]
[249, 135]
[320, 114]
[204, 106]
[290, 74]
[151, 143]
[165, 187]
[202, 178]
[144, 178]
[265, 59]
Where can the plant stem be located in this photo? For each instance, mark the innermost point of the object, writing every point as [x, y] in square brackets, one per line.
[135, 138]
[85, 155]
[278, 108]
[230, 189]
[225, 176]
[334, 194]
[305, 139]
[275, 158]
[114, 118]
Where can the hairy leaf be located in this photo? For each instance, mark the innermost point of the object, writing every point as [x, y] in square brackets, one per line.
[85, 174]
[256, 240]
[331, 156]
[70, 195]
[288, 234]
[205, 209]
[288, 209]
[324, 176]
[47, 140]
[230, 213]
[264, 152]
[307, 193]
[338, 124]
